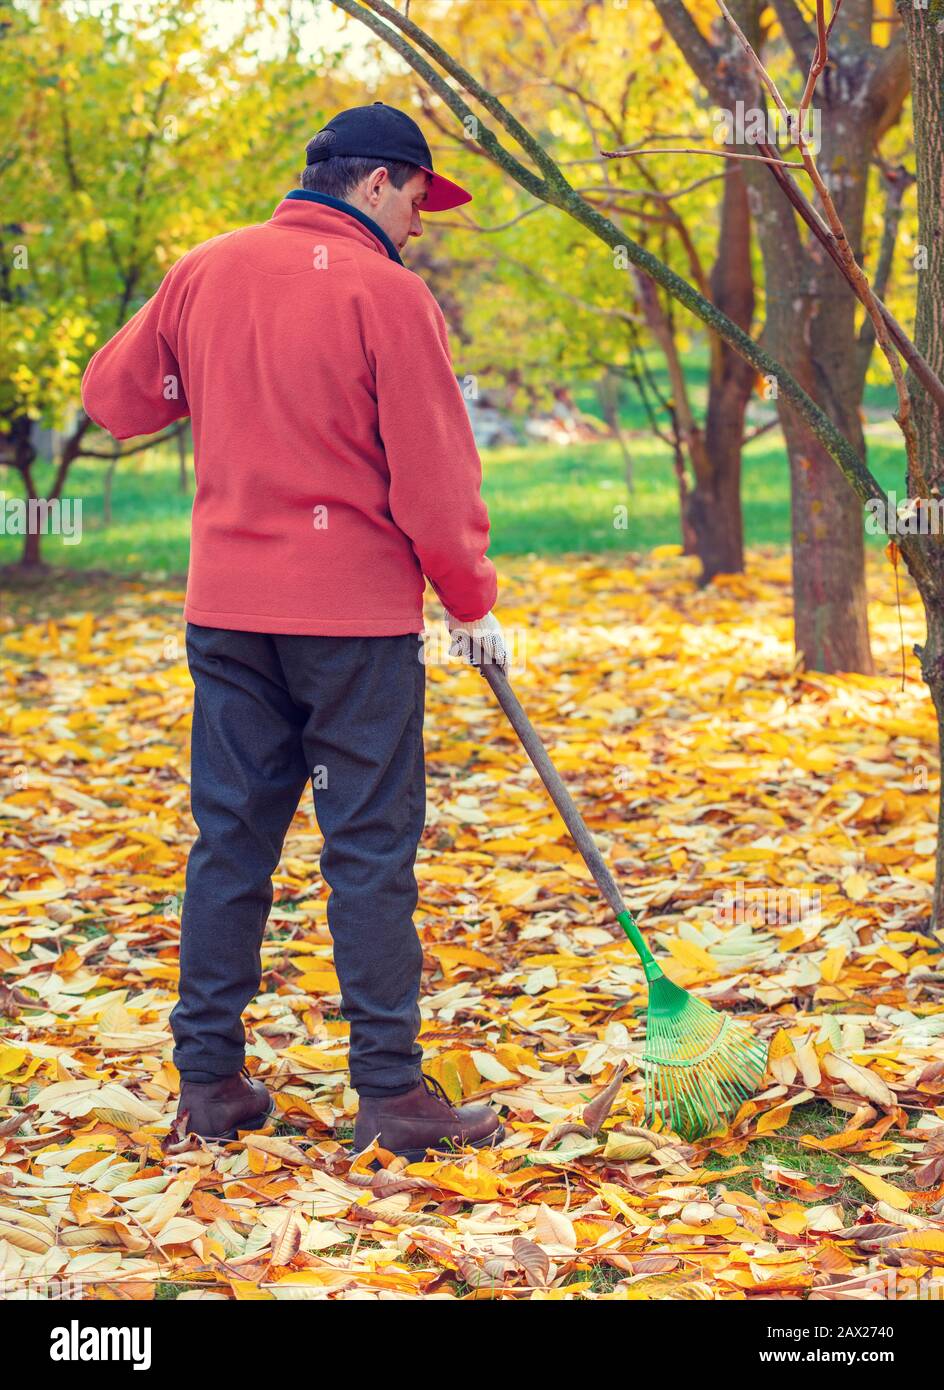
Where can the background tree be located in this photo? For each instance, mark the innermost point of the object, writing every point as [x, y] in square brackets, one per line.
[811, 311]
[120, 136]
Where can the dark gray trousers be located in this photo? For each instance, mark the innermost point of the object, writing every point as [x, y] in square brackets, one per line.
[272, 713]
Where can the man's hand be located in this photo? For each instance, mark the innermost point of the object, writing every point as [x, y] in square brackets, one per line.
[479, 643]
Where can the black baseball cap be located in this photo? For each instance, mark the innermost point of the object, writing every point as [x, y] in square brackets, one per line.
[382, 132]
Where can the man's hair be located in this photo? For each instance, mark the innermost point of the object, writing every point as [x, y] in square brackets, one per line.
[338, 175]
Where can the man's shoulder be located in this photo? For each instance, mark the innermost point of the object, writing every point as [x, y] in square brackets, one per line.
[393, 283]
[204, 249]
[184, 267]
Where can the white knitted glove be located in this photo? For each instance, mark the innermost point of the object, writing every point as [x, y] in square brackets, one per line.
[479, 643]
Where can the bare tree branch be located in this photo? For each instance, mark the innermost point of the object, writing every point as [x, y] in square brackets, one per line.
[715, 154]
[150, 443]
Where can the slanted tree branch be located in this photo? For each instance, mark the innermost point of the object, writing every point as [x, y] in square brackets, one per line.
[384, 21]
[149, 443]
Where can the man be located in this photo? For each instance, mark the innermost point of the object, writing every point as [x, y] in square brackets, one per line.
[335, 466]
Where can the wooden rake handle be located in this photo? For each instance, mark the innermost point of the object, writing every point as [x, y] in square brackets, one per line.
[561, 797]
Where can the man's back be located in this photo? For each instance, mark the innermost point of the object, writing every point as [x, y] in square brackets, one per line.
[334, 457]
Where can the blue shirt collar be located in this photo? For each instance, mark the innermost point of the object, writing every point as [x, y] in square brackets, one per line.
[305, 195]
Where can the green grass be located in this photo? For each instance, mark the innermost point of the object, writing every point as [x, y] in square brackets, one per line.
[543, 499]
[165, 1290]
[816, 1118]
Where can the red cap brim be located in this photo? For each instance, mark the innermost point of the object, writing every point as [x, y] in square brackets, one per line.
[442, 194]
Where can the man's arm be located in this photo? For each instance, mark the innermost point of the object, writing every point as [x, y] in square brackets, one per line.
[132, 385]
[435, 469]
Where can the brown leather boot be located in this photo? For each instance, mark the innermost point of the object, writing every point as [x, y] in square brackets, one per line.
[217, 1109]
[422, 1119]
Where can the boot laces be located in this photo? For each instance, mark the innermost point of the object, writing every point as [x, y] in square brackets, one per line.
[436, 1088]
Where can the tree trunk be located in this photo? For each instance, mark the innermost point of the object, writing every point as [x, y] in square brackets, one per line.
[924, 30]
[31, 558]
[932, 669]
[687, 430]
[830, 619]
[715, 501]
[608, 396]
[108, 483]
[810, 325]
[183, 477]
[25, 454]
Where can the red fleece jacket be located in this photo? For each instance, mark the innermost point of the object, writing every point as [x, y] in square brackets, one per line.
[334, 457]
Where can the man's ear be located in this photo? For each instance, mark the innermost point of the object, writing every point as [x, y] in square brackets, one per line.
[376, 180]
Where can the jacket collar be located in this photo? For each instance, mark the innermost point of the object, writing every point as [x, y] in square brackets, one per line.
[302, 195]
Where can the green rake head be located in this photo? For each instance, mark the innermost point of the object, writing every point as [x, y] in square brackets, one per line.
[700, 1065]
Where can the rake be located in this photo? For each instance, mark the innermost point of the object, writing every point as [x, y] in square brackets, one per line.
[699, 1065]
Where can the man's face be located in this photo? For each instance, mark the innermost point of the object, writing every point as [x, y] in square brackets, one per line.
[397, 210]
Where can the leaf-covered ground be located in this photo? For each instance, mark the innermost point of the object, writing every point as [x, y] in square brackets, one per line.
[774, 832]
